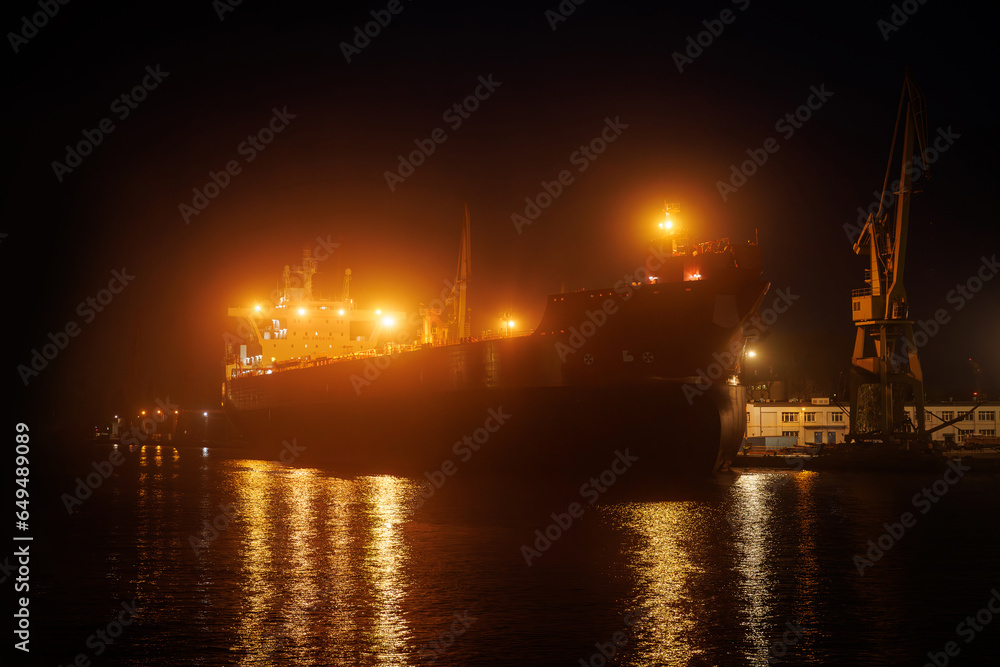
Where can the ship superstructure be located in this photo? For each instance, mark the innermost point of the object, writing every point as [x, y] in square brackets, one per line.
[298, 330]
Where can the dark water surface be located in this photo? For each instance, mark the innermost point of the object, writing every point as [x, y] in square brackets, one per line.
[307, 566]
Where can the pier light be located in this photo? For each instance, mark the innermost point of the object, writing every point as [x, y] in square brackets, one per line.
[510, 324]
[143, 413]
[751, 353]
[340, 312]
[388, 321]
[378, 312]
[257, 308]
[302, 311]
[205, 413]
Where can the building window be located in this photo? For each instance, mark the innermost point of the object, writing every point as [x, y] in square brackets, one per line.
[789, 416]
[810, 417]
[969, 417]
[837, 417]
[947, 415]
[748, 416]
[990, 432]
[790, 434]
[962, 433]
[987, 415]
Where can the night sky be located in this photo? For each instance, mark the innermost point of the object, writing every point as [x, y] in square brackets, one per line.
[212, 75]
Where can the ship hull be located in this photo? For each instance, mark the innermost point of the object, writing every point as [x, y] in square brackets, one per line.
[540, 430]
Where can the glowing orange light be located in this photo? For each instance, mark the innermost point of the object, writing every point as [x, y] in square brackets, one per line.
[302, 311]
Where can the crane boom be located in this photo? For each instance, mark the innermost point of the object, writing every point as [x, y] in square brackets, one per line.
[885, 366]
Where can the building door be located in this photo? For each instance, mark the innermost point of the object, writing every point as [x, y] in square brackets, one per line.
[818, 437]
[831, 437]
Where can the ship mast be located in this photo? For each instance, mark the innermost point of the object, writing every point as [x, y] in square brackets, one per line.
[461, 286]
[298, 287]
[885, 363]
[346, 296]
[308, 269]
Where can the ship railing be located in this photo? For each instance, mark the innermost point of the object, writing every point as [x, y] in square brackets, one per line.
[489, 335]
[364, 354]
[325, 361]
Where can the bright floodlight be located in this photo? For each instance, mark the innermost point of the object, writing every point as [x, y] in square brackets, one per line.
[257, 308]
[751, 353]
[340, 312]
[510, 323]
[302, 311]
[388, 321]
[205, 413]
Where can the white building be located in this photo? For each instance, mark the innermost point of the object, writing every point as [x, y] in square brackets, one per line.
[822, 421]
[983, 421]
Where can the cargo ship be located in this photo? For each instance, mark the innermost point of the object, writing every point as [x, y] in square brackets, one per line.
[649, 365]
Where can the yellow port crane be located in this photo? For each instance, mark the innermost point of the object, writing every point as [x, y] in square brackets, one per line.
[885, 367]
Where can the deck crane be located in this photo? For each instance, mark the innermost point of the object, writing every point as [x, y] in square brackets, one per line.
[885, 367]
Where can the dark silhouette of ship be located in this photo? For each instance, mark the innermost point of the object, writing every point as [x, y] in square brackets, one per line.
[649, 366]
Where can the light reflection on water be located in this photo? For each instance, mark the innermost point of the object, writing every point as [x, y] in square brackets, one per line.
[323, 562]
[313, 568]
[662, 565]
[754, 494]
